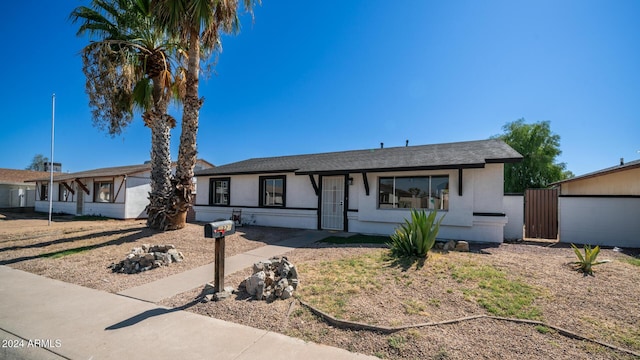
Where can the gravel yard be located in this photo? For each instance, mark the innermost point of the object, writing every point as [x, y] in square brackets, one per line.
[603, 307]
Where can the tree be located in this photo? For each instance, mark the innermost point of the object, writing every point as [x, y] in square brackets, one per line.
[198, 24]
[38, 163]
[129, 67]
[539, 147]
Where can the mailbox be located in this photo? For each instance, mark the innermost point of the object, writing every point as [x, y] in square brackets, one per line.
[219, 229]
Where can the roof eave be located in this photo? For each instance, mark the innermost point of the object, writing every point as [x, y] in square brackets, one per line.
[255, 172]
[504, 160]
[391, 169]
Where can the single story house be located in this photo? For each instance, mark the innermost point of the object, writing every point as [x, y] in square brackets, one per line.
[116, 192]
[14, 192]
[367, 191]
[601, 207]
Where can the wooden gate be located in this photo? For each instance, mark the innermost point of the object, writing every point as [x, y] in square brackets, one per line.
[541, 213]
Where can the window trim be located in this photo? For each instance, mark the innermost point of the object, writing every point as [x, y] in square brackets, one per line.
[212, 190]
[429, 177]
[261, 190]
[96, 192]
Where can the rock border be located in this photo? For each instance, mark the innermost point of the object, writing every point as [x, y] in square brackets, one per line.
[352, 325]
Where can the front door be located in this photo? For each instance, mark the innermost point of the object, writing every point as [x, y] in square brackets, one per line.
[79, 201]
[333, 203]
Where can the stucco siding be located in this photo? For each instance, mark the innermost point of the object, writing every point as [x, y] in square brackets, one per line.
[514, 210]
[112, 210]
[136, 197]
[16, 195]
[625, 182]
[600, 221]
[482, 192]
[488, 189]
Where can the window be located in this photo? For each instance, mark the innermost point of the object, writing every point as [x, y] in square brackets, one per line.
[63, 193]
[103, 191]
[44, 192]
[416, 192]
[219, 191]
[272, 190]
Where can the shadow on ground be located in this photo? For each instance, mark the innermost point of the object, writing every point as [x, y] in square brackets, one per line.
[133, 235]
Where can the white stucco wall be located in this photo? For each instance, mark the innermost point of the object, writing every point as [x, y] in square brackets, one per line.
[482, 194]
[15, 195]
[113, 210]
[514, 209]
[244, 191]
[137, 196]
[243, 194]
[5, 195]
[606, 221]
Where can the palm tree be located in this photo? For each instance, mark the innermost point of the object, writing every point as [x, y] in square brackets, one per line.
[199, 24]
[127, 67]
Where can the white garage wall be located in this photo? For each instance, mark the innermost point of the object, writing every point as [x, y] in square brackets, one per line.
[514, 209]
[609, 221]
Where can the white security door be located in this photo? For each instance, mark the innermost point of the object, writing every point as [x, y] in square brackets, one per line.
[333, 202]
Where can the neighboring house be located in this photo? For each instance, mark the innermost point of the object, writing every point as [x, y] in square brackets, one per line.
[366, 191]
[602, 207]
[14, 192]
[117, 192]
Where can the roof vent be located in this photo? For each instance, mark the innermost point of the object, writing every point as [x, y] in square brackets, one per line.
[381, 145]
[621, 161]
[406, 143]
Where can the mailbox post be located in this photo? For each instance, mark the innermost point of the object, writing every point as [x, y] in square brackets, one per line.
[218, 230]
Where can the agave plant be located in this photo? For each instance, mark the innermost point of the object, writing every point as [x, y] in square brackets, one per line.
[416, 237]
[586, 262]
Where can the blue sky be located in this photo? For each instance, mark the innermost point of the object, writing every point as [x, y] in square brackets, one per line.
[311, 76]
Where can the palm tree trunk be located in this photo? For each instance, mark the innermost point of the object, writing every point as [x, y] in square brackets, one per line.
[160, 124]
[188, 153]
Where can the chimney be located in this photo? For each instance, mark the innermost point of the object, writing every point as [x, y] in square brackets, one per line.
[406, 143]
[381, 145]
[621, 161]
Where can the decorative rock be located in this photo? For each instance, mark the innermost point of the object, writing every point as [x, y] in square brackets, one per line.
[219, 296]
[280, 286]
[209, 288]
[164, 257]
[449, 245]
[294, 283]
[462, 246]
[147, 257]
[273, 279]
[176, 256]
[287, 292]
[259, 266]
[255, 284]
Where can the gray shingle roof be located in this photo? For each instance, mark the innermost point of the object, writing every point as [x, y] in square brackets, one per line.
[103, 172]
[438, 156]
[13, 176]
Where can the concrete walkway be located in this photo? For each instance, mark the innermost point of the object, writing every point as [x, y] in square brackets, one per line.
[48, 319]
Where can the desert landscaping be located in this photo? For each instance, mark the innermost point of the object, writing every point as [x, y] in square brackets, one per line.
[514, 300]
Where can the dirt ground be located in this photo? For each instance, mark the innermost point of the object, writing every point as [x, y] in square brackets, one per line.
[603, 307]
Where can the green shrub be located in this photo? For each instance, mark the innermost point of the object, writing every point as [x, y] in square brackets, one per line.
[586, 262]
[416, 237]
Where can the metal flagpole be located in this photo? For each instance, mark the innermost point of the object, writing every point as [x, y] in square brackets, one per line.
[53, 112]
